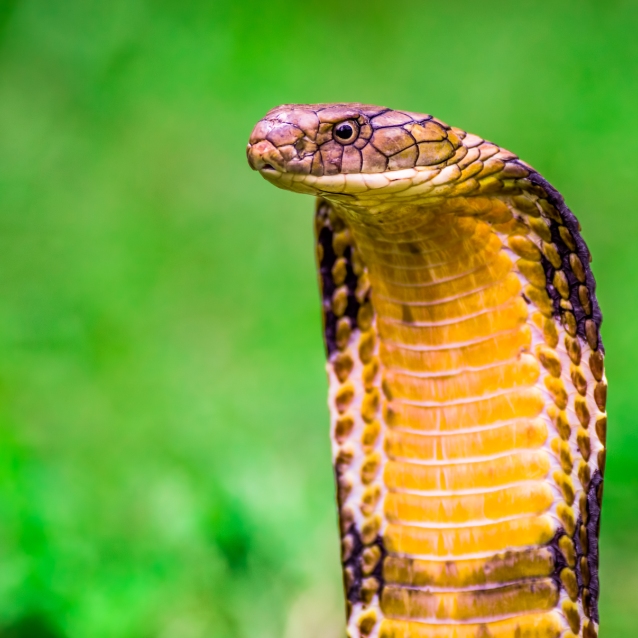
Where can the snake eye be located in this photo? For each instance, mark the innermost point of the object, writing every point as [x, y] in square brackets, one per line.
[346, 132]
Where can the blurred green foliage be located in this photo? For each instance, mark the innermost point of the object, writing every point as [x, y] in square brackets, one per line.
[164, 458]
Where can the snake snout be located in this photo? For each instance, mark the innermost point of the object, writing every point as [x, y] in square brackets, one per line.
[264, 155]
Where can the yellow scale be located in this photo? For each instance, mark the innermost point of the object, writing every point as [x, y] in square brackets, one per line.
[466, 497]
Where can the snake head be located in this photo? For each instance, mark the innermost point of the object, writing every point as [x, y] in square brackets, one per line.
[344, 149]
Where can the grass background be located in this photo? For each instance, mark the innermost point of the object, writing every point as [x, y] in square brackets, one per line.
[164, 459]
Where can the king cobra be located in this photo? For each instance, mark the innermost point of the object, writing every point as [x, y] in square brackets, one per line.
[466, 384]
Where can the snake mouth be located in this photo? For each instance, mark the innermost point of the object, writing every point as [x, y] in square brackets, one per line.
[397, 184]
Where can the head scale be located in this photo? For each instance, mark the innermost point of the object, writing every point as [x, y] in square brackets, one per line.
[312, 142]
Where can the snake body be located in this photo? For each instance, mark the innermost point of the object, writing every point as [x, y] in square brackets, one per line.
[466, 383]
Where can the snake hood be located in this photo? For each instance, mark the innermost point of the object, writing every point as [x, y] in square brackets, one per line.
[467, 390]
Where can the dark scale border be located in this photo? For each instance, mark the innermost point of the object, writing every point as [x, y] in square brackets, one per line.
[591, 551]
[571, 223]
[559, 560]
[354, 562]
[324, 239]
[593, 503]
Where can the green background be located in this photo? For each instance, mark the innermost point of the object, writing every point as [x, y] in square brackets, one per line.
[164, 455]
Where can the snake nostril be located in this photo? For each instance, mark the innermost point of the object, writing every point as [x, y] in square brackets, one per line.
[265, 156]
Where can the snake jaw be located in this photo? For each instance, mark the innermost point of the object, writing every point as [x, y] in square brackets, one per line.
[373, 192]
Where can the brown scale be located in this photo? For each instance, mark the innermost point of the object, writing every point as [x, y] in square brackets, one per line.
[571, 287]
[565, 259]
[346, 307]
[563, 548]
[581, 319]
[345, 301]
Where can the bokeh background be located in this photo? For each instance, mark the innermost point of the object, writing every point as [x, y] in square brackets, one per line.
[164, 455]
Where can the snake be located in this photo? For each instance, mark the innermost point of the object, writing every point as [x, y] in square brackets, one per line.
[466, 384]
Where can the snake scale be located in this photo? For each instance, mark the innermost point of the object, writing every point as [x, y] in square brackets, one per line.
[466, 383]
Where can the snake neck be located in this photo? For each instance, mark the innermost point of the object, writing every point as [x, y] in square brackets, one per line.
[451, 325]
